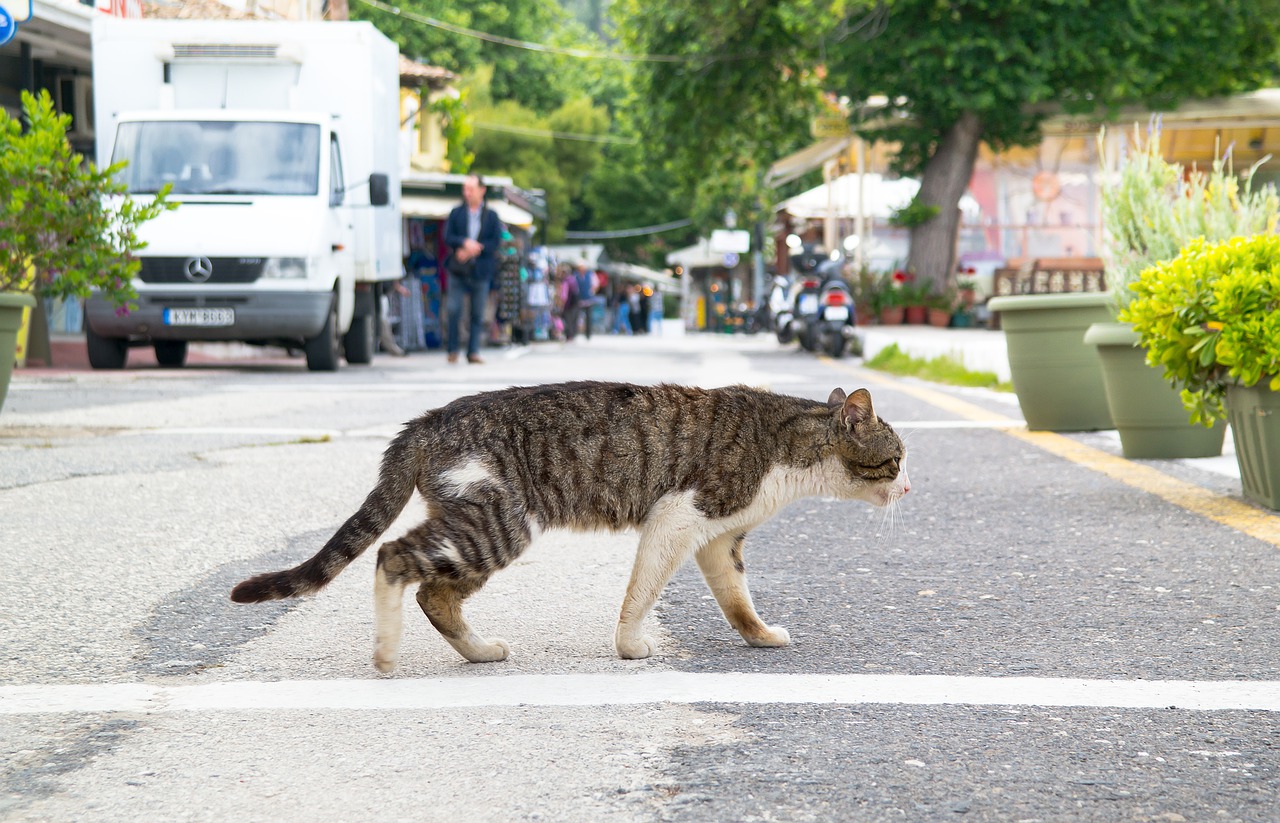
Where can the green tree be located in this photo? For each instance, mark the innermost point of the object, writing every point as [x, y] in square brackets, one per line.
[956, 73]
[516, 141]
[538, 80]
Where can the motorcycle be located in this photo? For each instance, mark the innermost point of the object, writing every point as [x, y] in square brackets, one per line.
[824, 318]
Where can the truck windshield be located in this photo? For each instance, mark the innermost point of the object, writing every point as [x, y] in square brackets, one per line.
[219, 157]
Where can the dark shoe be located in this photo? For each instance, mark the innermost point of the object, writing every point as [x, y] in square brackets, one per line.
[474, 358]
[453, 357]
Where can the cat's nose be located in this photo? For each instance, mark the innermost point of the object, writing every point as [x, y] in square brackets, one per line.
[906, 482]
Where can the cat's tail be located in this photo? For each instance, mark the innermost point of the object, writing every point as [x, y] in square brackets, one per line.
[396, 482]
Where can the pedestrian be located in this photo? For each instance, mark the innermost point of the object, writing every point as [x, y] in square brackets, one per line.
[473, 232]
[570, 302]
[635, 316]
[585, 284]
[622, 310]
[386, 336]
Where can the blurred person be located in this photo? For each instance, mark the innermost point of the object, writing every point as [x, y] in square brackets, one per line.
[474, 233]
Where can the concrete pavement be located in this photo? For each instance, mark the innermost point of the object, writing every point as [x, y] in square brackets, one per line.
[935, 645]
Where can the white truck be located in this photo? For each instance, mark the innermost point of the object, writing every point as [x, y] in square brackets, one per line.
[280, 140]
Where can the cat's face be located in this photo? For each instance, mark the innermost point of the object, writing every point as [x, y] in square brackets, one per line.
[868, 452]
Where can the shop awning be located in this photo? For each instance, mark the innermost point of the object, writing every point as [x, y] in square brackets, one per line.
[641, 274]
[430, 207]
[806, 160]
[697, 256]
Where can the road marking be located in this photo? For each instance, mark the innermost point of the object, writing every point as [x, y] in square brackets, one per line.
[642, 688]
[1228, 511]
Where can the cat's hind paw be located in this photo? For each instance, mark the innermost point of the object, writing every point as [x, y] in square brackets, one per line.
[774, 637]
[635, 648]
[490, 651]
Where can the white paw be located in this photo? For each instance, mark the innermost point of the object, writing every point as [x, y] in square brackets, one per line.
[491, 651]
[773, 638]
[383, 662]
[636, 648]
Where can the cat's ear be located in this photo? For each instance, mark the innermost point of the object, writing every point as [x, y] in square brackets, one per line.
[857, 409]
[836, 398]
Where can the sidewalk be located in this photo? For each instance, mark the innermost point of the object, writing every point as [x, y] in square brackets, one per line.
[976, 349]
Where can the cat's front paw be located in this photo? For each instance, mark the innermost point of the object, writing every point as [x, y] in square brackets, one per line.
[773, 637]
[385, 661]
[492, 651]
[636, 648]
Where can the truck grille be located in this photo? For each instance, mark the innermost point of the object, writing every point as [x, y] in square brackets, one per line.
[225, 51]
[222, 269]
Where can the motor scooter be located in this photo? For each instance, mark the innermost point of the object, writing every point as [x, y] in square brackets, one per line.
[825, 317]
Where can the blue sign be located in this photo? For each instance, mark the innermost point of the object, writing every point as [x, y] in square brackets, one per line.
[8, 27]
[730, 260]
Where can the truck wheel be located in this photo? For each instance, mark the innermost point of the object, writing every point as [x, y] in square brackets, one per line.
[324, 349]
[105, 352]
[358, 342]
[172, 354]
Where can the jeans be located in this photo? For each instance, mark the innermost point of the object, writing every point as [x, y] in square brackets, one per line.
[477, 288]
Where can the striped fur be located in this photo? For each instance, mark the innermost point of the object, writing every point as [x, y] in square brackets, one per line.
[694, 470]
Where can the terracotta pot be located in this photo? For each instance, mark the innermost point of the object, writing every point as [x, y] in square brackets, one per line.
[940, 318]
[891, 316]
[915, 315]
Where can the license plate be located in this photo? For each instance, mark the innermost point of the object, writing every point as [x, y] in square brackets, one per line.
[199, 317]
[836, 313]
[808, 303]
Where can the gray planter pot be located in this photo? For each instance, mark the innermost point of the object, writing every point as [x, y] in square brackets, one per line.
[1145, 408]
[11, 306]
[1057, 377]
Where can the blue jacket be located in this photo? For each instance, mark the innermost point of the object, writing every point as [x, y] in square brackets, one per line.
[455, 232]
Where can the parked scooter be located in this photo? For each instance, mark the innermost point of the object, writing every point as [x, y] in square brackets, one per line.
[820, 312]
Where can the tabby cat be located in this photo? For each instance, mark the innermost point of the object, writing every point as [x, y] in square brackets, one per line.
[693, 469]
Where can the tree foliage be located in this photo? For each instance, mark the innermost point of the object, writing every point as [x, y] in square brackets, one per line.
[955, 73]
[65, 218]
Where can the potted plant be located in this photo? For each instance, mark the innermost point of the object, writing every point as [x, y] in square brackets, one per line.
[890, 306]
[65, 228]
[1209, 318]
[1151, 209]
[938, 306]
[912, 296]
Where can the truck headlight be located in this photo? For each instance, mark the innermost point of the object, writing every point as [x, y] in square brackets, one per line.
[284, 268]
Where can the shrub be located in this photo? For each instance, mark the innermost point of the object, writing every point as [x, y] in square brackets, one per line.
[1211, 316]
[65, 227]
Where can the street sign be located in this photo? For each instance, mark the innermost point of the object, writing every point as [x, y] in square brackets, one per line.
[725, 241]
[8, 28]
[730, 260]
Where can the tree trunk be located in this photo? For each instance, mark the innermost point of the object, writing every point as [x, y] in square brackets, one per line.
[946, 177]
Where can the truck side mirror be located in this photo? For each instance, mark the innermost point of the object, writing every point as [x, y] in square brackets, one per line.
[379, 190]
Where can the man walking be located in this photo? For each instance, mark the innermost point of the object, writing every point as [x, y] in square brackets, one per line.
[474, 233]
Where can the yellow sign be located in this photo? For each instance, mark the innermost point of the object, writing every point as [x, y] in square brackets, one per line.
[829, 125]
[24, 328]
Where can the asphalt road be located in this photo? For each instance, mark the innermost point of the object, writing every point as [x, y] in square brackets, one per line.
[932, 644]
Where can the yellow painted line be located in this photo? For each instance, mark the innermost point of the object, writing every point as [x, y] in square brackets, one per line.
[1228, 511]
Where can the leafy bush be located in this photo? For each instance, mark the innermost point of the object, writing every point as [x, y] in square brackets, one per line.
[1211, 316]
[61, 217]
[1153, 208]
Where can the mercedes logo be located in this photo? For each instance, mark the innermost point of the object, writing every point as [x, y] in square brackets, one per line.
[198, 269]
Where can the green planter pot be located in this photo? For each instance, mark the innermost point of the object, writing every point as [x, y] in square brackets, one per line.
[1146, 409]
[1254, 415]
[1057, 377]
[11, 306]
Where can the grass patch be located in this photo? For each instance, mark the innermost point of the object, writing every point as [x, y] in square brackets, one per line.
[942, 369]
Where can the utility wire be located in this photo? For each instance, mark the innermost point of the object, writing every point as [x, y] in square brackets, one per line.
[640, 232]
[525, 44]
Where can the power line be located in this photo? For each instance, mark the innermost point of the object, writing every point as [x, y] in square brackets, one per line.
[640, 232]
[559, 135]
[525, 44]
